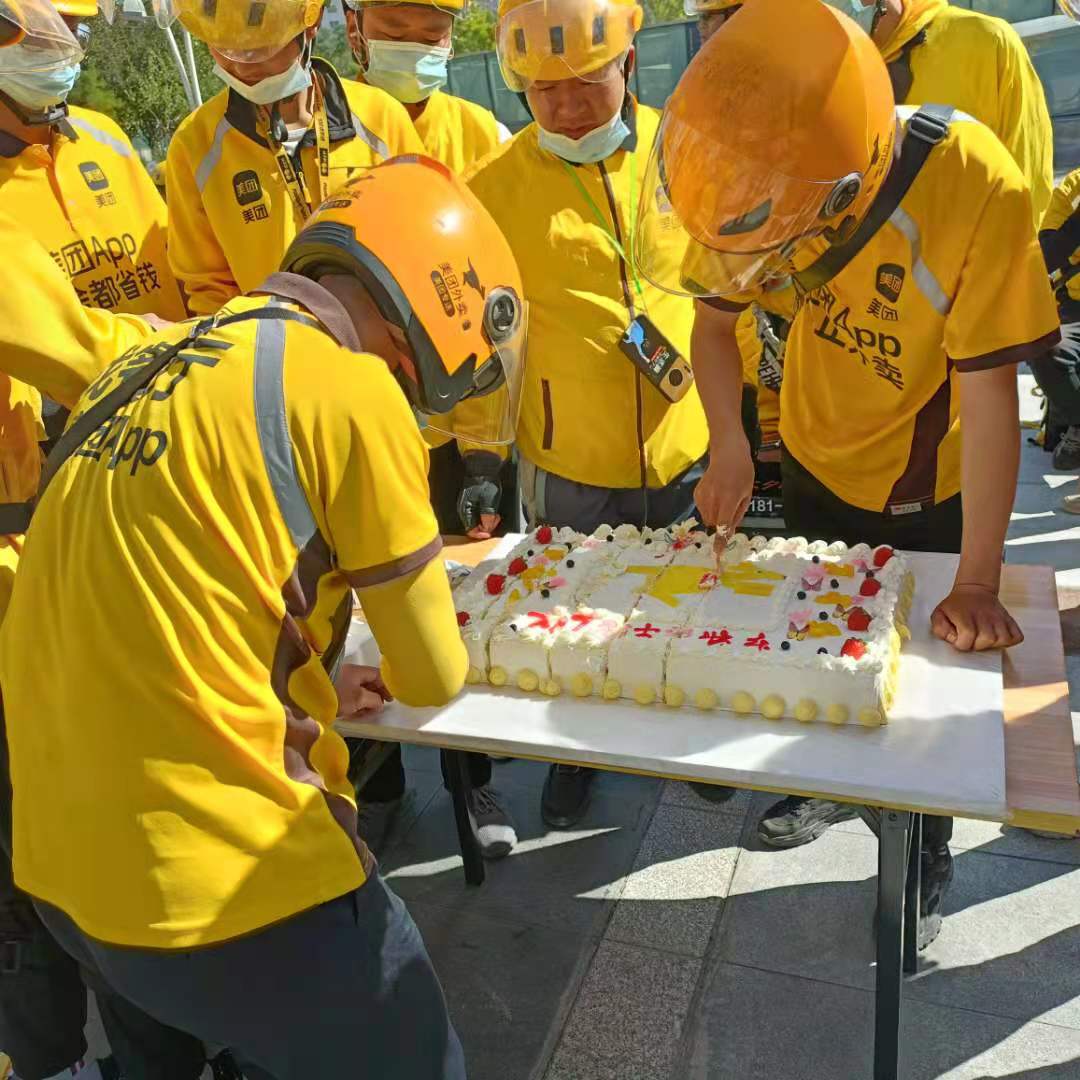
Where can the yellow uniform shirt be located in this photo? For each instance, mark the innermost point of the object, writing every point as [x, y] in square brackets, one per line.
[62, 353]
[231, 217]
[953, 282]
[942, 54]
[1063, 206]
[979, 65]
[177, 778]
[457, 132]
[88, 201]
[586, 413]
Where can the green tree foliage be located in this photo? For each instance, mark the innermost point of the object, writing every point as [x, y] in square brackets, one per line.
[129, 74]
[475, 30]
[661, 11]
[333, 44]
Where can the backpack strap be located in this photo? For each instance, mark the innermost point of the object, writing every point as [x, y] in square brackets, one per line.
[130, 385]
[925, 129]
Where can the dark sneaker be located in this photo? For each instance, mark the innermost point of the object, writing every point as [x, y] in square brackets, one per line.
[566, 795]
[1067, 451]
[494, 825]
[713, 792]
[795, 821]
[375, 821]
[937, 875]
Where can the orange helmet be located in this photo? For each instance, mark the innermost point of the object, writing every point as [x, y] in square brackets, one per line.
[439, 269]
[780, 130]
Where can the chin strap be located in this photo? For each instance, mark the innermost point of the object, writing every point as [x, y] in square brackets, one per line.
[46, 117]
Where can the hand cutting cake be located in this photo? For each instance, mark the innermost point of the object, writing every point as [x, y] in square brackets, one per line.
[780, 628]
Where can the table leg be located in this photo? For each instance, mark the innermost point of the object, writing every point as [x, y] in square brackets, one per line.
[912, 906]
[457, 769]
[893, 860]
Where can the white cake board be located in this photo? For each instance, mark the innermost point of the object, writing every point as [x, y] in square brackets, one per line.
[942, 751]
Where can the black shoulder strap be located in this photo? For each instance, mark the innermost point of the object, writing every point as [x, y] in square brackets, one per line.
[131, 385]
[925, 130]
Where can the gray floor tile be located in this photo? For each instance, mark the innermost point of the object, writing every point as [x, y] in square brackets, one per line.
[673, 893]
[506, 1019]
[557, 879]
[756, 1025]
[628, 1019]
[807, 911]
[1010, 944]
[421, 787]
[678, 793]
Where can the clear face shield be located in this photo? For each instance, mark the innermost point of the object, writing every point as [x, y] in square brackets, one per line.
[716, 221]
[487, 414]
[33, 37]
[552, 40]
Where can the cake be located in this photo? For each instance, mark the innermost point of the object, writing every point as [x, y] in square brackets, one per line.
[777, 628]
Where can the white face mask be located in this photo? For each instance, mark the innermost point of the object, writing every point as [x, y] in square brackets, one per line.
[406, 70]
[865, 15]
[266, 91]
[593, 146]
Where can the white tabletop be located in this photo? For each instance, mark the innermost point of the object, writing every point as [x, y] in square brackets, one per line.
[941, 752]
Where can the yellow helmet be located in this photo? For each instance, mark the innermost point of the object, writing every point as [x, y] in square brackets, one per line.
[549, 40]
[33, 37]
[451, 7]
[243, 30]
[780, 131]
[79, 9]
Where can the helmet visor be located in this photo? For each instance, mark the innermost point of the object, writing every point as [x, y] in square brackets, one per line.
[714, 221]
[33, 37]
[488, 414]
[549, 40]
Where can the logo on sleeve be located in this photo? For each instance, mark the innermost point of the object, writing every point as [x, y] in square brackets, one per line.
[247, 187]
[890, 281]
[95, 178]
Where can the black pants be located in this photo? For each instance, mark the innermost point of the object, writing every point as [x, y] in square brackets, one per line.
[43, 993]
[445, 477]
[388, 781]
[1058, 374]
[345, 989]
[813, 511]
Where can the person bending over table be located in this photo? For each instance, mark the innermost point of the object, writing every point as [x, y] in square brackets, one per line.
[182, 812]
[899, 411]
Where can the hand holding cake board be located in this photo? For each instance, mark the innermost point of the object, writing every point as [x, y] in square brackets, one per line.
[780, 627]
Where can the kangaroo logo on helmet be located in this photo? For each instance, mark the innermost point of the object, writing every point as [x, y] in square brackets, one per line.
[472, 279]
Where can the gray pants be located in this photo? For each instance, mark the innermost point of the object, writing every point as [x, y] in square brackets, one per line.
[343, 990]
[1058, 375]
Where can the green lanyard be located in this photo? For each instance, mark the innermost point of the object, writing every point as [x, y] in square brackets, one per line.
[628, 259]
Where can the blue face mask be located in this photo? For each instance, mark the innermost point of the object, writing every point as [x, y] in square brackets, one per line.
[593, 146]
[406, 70]
[40, 89]
[864, 15]
[280, 87]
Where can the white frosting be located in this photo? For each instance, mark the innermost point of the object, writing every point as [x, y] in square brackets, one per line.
[778, 623]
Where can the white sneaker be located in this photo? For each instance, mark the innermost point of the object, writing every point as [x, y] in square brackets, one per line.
[494, 825]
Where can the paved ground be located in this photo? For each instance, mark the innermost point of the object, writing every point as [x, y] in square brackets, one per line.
[658, 941]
